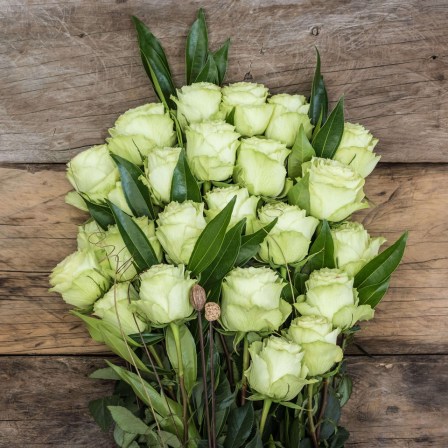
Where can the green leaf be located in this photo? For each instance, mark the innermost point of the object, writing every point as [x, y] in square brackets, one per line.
[197, 47]
[372, 280]
[209, 72]
[250, 244]
[136, 241]
[327, 140]
[104, 374]
[339, 439]
[210, 240]
[372, 294]
[164, 406]
[127, 421]
[322, 249]
[184, 186]
[220, 56]
[148, 338]
[155, 63]
[189, 355]
[100, 213]
[225, 259]
[109, 334]
[331, 415]
[319, 97]
[100, 413]
[135, 191]
[124, 439]
[163, 438]
[239, 426]
[299, 194]
[301, 152]
[344, 389]
[255, 442]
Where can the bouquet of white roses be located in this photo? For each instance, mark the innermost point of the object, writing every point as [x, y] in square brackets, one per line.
[220, 262]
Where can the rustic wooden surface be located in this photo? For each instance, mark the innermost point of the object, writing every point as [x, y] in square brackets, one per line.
[68, 68]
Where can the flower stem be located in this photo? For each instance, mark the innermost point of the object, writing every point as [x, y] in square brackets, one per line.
[311, 426]
[212, 383]
[323, 406]
[264, 415]
[204, 379]
[180, 373]
[245, 367]
[207, 186]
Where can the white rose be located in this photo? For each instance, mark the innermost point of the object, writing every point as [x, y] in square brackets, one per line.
[252, 113]
[197, 102]
[159, 169]
[356, 149]
[276, 370]
[330, 293]
[165, 294]
[79, 279]
[211, 149]
[290, 112]
[317, 338]
[353, 247]
[335, 190]
[245, 205]
[289, 240]
[179, 227]
[133, 148]
[251, 300]
[115, 307]
[93, 172]
[260, 166]
[149, 120]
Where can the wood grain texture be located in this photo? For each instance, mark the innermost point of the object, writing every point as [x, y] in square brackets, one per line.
[37, 230]
[393, 405]
[68, 69]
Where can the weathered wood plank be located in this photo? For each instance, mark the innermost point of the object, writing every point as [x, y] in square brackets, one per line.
[397, 402]
[37, 230]
[68, 69]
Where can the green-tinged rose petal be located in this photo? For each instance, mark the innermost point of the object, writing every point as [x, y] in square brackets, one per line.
[320, 357]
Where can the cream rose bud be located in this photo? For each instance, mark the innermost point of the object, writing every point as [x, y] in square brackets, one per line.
[290, 112]
[93, 172]
[116, 196]
[245, 205]
[79, 279]
[276, 369]
[120, 259]
[130, 147]
[336, 191]
[149, 120]
[211, 149]
[316, 336]
[159, 169]
[252, 113]
[197, 102]
[165, 294]
[289, 240]
[330, 293]
[356, 149]
[115, 307]
[251, 300]
[353, 247]
[179, 227]
[260, 166]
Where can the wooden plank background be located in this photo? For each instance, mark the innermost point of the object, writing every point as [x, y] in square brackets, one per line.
[68, 68]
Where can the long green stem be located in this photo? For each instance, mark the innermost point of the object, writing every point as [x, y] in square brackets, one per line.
[155, 355]
[180, 373]
[264, 415]
[204, 380]
[311, 426]
[245, 367]
[212, 382]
